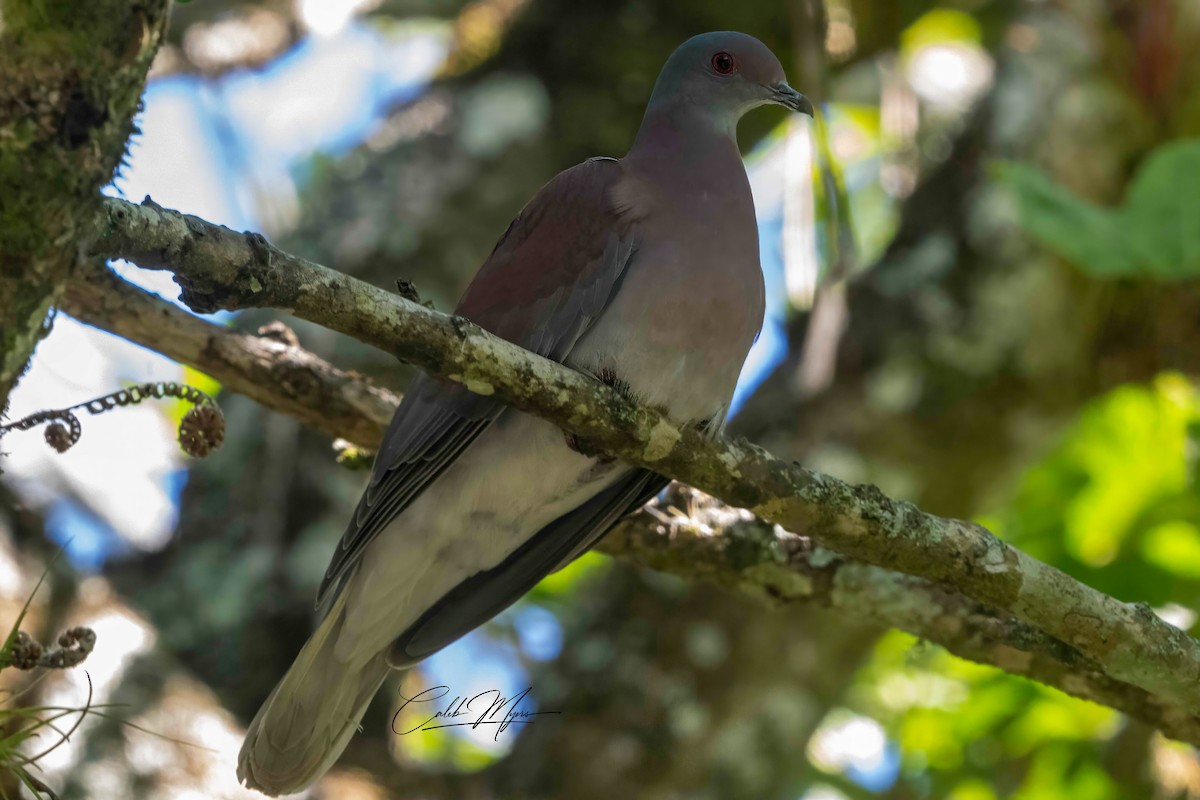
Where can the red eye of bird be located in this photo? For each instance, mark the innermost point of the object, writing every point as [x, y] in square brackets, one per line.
[723, 63]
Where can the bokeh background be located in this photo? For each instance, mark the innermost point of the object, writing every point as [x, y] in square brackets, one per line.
[982, 272]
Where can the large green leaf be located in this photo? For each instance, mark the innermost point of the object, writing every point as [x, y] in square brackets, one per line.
[1155, 233]
[1162, 210]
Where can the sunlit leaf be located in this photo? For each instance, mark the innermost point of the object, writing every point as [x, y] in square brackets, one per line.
[972, 790]
[1122, 472]
[938, 26]
[1174, 546]
[557, 584]
[1057, 773]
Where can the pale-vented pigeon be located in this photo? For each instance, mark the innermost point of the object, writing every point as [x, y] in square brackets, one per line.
[642, 271]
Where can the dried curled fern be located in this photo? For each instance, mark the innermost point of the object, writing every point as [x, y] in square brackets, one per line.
[201, 431]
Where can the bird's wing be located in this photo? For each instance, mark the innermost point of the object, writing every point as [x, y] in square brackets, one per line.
[548, 278]
[483, 595]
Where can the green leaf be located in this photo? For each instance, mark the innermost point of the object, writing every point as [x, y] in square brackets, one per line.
[1161, 210]
[1156, 233]
[938, 26]
[1175, 547]
[1114, 503]
[1086, 235]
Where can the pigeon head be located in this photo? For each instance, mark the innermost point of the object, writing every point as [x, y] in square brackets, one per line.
[724, 75]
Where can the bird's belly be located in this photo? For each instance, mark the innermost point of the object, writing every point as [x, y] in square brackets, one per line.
[515, 479]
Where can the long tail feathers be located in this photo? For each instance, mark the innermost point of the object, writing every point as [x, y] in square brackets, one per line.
[309, 718]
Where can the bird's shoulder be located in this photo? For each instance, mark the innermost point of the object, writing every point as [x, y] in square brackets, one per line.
[571, 226]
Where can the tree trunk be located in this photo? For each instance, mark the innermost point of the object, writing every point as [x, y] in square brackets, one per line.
[71, 77]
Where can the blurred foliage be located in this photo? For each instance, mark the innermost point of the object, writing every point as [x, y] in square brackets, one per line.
[969, 730]
[1117, 503]
[938, 26]
[1153, 234]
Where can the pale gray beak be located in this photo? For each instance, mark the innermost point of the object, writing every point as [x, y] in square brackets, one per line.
[786, 96]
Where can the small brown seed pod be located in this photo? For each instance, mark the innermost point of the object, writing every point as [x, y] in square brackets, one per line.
[26, 651]
[58, 437]
[202, 430]
[74, 646]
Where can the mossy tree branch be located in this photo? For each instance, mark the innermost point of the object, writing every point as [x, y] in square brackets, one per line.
[71, 76]
[708, 541]
[1126, 644]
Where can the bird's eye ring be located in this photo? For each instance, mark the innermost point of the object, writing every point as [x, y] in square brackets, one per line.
[724, 64]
